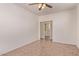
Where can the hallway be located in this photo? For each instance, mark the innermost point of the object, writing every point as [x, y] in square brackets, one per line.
[45, 48]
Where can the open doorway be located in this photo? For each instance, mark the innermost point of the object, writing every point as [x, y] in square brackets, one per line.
[46, 30]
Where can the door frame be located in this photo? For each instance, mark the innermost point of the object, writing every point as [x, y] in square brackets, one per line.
[51, 29]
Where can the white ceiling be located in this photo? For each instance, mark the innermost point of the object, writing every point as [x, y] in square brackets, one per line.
[56, 7]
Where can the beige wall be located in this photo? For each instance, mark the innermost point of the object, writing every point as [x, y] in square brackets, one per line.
[17, 27]
[64, 26]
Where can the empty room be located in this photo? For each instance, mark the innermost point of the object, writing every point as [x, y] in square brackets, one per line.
[39, 29]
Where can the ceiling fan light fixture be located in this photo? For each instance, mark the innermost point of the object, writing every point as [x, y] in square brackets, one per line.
[44, 5]
[39, 5]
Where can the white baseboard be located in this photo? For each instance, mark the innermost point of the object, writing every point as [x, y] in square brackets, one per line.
[65, 42]
[6, 51]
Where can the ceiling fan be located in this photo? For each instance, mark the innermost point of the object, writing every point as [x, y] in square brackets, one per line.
[41, 5]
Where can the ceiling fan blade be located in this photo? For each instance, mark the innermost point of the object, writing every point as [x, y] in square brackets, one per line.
[33, 3]
[49, 6]
[41, 7]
